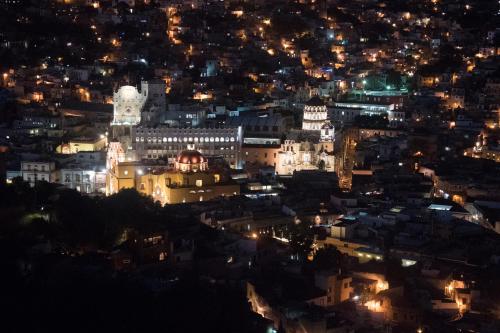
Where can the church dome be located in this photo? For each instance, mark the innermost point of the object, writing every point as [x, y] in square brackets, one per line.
[191, 161]
[190, 157]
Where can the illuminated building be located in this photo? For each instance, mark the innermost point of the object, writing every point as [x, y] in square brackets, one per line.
[33, 171]
[308, 150]
[297, 156]
[85, 180]
[131, 107]
[167, 142]
[315, 115]
[190, 180]
[394, 115]
[127, 105]
[83, 144]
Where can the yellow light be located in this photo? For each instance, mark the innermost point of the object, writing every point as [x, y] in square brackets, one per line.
[238, 13]
[254, 235]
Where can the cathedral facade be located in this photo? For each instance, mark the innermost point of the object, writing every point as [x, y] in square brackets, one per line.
[305, 155]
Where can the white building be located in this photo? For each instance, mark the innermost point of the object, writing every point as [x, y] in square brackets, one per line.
[86, 173]
[298, 156]
[131, 106]
[33, 171]
[85, 179]
[127, 106]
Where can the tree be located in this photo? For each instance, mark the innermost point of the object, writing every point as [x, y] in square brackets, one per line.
[321, 165]
[301, 239]
[327, 259]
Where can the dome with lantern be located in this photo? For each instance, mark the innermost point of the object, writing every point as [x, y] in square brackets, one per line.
[191, 161]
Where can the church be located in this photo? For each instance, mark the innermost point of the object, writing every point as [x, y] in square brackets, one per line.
[189, 180]
[311, 148]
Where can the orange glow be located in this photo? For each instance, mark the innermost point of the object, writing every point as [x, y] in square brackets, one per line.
[374, 305]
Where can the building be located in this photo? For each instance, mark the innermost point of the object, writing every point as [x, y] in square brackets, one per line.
[33, 171]
[346, 111]
[127, 106]
[131, 106]
[337, 286]
[260, 154]
[83, 144]
[84, 179]
[305, 155]
[315, 115]
[167, 142]
[85, 172]
[190, 180]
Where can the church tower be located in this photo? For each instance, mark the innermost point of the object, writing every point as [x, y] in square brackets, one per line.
[315, 115]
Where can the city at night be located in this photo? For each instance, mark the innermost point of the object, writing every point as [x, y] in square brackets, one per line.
[250, 166]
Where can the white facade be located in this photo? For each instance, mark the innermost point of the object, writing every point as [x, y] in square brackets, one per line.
[127, 106]
[297, 156]
[85, 180]
[314, 117]
[130, 106]
[327, 133]
[33, 171]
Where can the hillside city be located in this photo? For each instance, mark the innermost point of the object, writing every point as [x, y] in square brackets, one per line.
[302, 166]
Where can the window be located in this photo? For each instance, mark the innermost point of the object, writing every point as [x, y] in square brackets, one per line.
[77, 178]
[199, 183]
